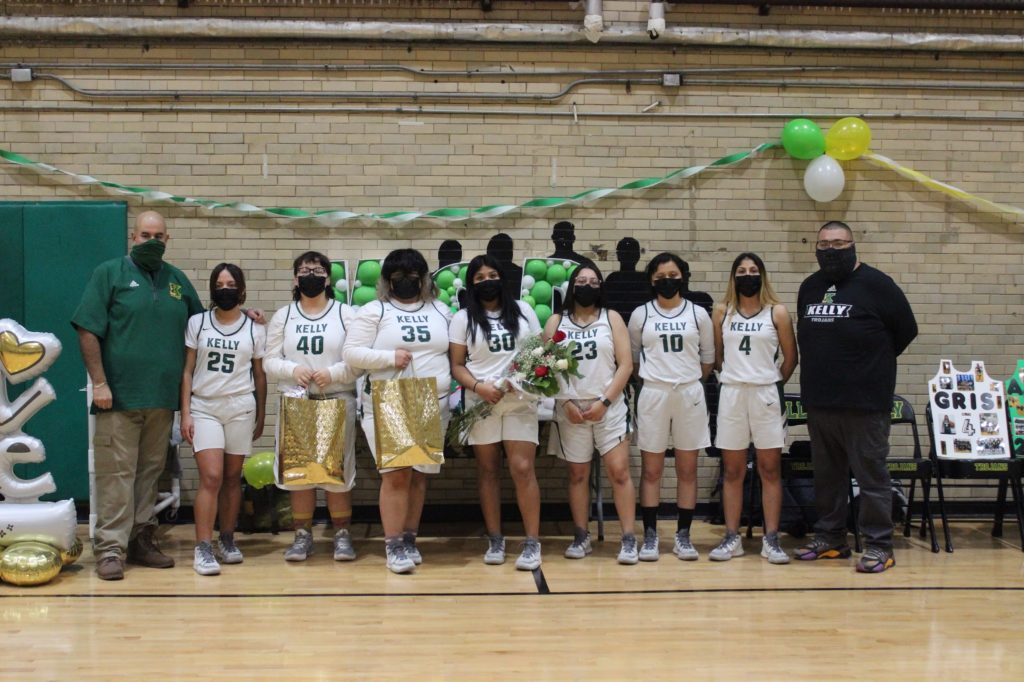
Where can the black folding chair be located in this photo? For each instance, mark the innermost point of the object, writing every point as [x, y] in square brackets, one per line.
[913, 468]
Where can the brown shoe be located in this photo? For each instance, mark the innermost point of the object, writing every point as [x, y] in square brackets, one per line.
[144, 552]
[110, 568]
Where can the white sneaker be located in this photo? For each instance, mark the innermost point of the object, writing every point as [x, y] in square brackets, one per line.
[495, 554]
[529, 557]
[411, 550]
[228, 552]
[398, 560]
[579, 548]
[204, 562]
[730, 546]
[628, 551]
[302, 546]
[771, 551]
[649, 550]
[683, 548]
[343, 549]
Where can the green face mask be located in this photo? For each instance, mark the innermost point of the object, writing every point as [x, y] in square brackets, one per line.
[149, 255]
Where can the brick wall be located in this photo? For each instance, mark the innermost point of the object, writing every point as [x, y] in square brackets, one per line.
[961, 268]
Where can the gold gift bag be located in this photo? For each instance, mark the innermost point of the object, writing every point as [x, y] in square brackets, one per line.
[311, 446]
[407, 423]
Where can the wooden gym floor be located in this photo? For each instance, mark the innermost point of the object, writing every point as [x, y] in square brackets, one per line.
[940, 616]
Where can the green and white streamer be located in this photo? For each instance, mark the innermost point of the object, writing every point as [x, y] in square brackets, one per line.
[332, 216]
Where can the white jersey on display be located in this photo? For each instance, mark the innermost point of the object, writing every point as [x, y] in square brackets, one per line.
[671, 345]
[595, 351]
[296, 339]
[489, 355]
[421, 328]
[224, 355]
[752, 354]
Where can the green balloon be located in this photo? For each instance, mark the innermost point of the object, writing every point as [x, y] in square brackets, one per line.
[530, 301]
[543, 313]
[455, 307]
[445, 298]
[368, 272]
[451, 291]
[364, 295]
[340, 296]
[803, 139]
[337, 272]
[537, 269]
[445, 279]
[556, 275]
[462, 274]
[541, 292]
[259, 470]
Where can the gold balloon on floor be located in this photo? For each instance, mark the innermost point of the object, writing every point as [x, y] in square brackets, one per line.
[29, 563]
[70, 556]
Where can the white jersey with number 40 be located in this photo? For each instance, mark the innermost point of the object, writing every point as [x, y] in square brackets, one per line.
[752, 353]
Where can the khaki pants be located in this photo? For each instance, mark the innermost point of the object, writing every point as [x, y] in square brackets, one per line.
[130, 452]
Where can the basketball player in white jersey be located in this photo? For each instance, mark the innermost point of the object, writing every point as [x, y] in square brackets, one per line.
[755, 349]
[674, 345]
[403, 333]
[485, 337]
[223, 403]
[594, 415]
[304, 345]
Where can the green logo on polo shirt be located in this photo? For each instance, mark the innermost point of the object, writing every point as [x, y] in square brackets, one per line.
[174, 290]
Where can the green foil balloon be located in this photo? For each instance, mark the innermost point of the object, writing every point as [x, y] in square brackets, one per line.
[337, 272]
[258, 470]
[445, 279]
[556, 275]
[543, 313]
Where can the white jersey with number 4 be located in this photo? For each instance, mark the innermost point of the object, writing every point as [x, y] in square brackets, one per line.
[671, 345]
[752, 353]
[224, 355]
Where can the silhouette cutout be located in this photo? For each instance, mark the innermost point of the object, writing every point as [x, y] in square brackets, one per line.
[449, 252]
[500, 248]
[701, 298]
[563, 234]
[627, 288]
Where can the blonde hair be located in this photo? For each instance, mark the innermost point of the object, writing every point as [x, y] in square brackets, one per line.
[766, 296]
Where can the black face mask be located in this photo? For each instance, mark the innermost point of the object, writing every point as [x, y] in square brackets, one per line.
[226, 299]
[312, 286]
[748, 285]
[406, 287]
[586, 296]
[837, 264]
[487, 290]
[667, 287]
[149, 255]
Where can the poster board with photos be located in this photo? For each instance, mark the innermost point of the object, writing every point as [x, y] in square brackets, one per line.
[968, 413]
[1015, 406]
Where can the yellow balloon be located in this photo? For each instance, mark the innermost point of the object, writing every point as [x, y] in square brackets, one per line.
[70, 556]
[29, 563]
[847, 139]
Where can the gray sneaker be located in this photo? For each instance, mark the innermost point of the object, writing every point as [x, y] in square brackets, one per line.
[228, 552]
[628, 551]
[343, 549]
[411, 550]
[649, 550]
[683, 548]
[204, 562]
[730, 546]
[771, 551]
[529, 556]
[580, 547]
[398, 558]
[495, 554]
[302, 546]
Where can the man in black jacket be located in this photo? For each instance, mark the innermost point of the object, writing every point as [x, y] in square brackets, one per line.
[852, 323]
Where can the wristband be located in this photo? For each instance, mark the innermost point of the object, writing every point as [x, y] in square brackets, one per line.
[99, 385]
[475, 385]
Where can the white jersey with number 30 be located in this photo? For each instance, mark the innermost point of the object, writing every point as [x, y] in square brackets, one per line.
[751, 345]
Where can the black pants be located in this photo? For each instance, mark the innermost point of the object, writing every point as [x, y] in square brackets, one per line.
[845, 440]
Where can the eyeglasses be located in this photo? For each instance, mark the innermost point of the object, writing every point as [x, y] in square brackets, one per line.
[319, 272]
[592, 282]
[833, 243]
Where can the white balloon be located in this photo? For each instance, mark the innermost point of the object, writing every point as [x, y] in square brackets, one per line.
[342, 285]
[824, 179]
[457, 283]
[528, 281]
[54, 523]
[525, 292]
[567, 264]
[454, 268]
[22, 449]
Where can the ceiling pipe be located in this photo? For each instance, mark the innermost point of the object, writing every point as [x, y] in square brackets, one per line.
[593, 20]
[125, 28]
[656, 19]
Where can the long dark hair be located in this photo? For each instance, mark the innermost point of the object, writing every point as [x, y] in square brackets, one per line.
[236, 274]
[661, 259]
[510, 312]
[410, 261]
[311, 257]
[569, 303]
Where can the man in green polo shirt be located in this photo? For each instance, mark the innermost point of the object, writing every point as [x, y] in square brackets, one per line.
[131, 330]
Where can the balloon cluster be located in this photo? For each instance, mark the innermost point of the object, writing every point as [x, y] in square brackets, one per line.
[847, 139]
[450, 280]
[339, 280]
[364, 288]
[541, 277]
